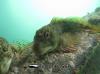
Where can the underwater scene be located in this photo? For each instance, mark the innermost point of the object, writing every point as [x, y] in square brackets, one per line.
[49, 36]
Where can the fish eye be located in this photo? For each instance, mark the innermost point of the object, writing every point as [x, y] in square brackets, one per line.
[47, 35]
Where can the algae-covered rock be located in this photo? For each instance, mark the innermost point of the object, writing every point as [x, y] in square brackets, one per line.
[68, 63]
[5, 56]
[94, 17]
[73, 49]
[58, 62]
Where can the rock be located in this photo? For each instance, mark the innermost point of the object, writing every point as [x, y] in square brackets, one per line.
[5, 56]
[68, 63]
[59, 62]
[94, 17]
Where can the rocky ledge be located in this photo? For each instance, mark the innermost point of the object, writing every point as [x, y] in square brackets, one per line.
[59, 62]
